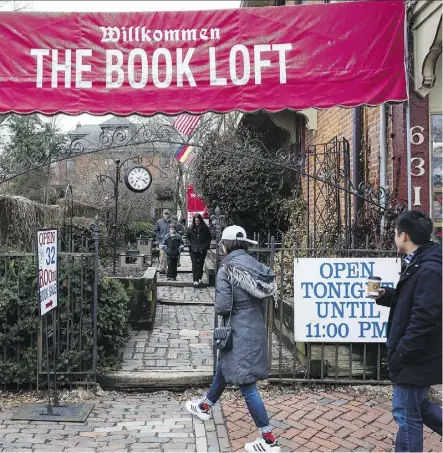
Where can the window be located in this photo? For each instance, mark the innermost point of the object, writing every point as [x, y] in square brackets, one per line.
[437, 173]
[55, 168]
[70, 167]
[165, 163]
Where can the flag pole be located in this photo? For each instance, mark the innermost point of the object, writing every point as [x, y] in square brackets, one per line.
[181, 174]
[408, 114]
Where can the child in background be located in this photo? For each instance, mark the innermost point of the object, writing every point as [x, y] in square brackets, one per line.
[173, 246]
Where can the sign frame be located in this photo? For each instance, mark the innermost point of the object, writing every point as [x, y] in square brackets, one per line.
[340, 313]
[52, 268]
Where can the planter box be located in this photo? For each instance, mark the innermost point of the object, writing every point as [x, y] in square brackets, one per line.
[142, 292]
[132, 252]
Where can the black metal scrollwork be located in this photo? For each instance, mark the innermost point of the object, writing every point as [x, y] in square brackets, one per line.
[325, 170]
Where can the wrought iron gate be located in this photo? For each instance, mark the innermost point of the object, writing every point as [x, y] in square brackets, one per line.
[324, 172]
[22, 334]
[328, 229]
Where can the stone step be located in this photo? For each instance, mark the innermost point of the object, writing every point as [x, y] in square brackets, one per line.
[178, 284]
[185, 302]
[182, 270]
[155, 379]
[183, 281]
[180, 295]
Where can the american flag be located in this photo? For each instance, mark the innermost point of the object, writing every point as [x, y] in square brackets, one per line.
[192, 155]
[186, 124]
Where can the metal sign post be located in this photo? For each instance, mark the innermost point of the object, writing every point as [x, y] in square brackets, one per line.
[48, 300]
[47, 278]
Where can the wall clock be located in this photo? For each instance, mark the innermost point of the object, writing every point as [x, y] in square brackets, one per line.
[138, 179]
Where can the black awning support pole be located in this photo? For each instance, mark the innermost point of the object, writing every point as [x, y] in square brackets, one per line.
[356, 153]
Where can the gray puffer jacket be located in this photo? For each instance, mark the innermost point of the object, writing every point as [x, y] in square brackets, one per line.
[251, 282]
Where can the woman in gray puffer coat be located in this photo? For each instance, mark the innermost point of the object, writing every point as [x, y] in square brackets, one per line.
[242, 284]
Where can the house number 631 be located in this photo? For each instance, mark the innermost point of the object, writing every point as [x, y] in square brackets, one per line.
[417, 138]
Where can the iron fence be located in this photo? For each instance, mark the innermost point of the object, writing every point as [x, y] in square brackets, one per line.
[22, 331]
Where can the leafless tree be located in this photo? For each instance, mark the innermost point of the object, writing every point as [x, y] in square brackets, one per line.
[13, 5]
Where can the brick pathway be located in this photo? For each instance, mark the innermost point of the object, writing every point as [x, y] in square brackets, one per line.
[181, 340]
[185, 263]
[184, 279]
[184, 295]
[323, 421]
[133, 422]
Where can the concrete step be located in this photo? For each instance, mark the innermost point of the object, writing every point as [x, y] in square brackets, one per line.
[182, 270]
[154, 379]
[181, 284]
[185, 302]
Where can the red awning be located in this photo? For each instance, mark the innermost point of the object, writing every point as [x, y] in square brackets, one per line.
[271, 58]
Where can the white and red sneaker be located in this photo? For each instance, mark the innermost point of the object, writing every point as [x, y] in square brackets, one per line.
[260, 445]
[193, 407]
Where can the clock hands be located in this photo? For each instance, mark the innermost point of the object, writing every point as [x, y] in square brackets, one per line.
[141, 179]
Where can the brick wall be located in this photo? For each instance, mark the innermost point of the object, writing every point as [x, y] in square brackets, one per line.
[338, 122]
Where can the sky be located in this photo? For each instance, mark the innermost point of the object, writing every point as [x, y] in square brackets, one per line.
[66, 122]
[129, 6]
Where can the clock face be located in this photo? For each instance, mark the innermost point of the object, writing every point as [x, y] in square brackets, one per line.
[138, 179]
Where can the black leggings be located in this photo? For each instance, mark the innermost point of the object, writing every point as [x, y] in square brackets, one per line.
[198, 262]
[172, 267]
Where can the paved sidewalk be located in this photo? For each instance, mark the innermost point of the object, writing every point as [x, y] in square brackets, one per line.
[304, 420]
[322, 421]
[126, 423]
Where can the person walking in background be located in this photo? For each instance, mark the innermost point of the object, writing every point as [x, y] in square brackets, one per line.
[161, 230]
[415, 331]
[172, 246]
[178, 226]
[242, 284]
[180, 229]
[198, 238]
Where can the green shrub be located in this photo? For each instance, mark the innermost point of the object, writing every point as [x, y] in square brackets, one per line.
[113, 325]
[139, 228]
[20, 322]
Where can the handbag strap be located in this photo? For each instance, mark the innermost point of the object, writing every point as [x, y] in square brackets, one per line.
[232, 305]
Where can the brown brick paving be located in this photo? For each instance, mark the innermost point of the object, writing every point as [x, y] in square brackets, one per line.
[303, 422]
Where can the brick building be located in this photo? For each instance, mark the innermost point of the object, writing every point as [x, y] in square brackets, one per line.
[377, 135]
[82, 168]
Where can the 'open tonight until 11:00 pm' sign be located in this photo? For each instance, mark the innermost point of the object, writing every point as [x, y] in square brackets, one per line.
[331, 303]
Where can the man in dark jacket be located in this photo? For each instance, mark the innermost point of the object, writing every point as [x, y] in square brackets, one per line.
[161, 230]
[415, 331]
